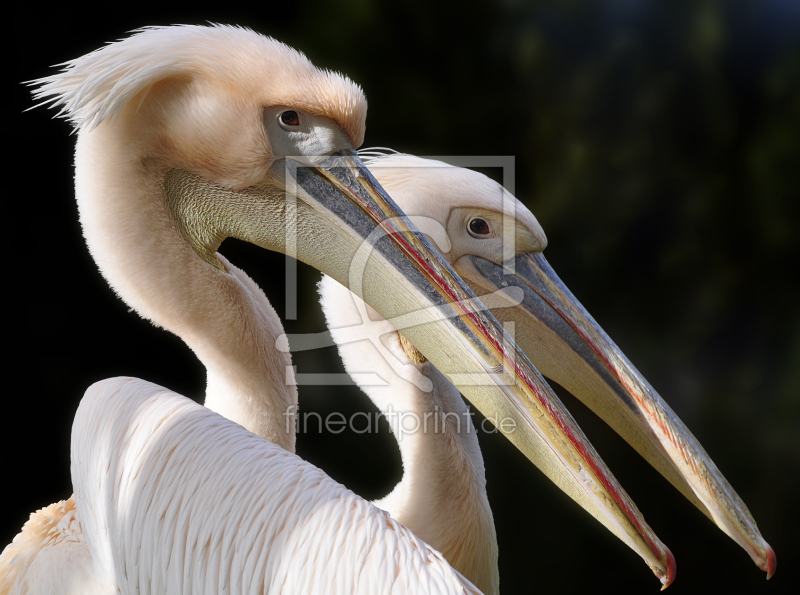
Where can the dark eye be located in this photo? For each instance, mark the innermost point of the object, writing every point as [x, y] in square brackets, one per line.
[289, 118]
[478, 227]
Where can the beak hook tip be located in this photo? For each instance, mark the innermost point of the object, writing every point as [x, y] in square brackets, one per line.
[671, 568]
[772, 562]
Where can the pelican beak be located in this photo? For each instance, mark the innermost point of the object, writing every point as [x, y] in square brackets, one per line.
[569, 347]
[363, 240]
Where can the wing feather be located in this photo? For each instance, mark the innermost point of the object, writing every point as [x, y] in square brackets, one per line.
[175, 498]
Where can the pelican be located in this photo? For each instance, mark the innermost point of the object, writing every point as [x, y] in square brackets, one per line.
[465, 214]
[189, 135]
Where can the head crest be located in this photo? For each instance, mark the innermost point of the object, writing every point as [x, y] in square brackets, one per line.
[97, 86]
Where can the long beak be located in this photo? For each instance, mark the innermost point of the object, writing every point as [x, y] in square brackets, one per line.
[569, 347]
[381, 256]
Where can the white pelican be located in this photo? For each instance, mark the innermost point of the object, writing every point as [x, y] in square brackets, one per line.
[185, 138]
[463, 213]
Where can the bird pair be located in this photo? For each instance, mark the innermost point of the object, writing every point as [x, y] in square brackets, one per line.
[190, 135]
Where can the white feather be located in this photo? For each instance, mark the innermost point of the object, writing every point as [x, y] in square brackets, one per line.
[175, 498]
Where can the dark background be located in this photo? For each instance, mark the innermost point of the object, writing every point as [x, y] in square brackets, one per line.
[657, 142]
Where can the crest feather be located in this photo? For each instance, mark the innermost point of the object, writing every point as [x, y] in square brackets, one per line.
[97, 86]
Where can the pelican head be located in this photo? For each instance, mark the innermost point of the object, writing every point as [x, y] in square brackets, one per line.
[495, 243]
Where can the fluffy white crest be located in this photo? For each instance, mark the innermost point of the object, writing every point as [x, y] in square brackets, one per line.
[95, 87]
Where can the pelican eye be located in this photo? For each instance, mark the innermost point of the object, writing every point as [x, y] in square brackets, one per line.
[289, 119]
[478, 227]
